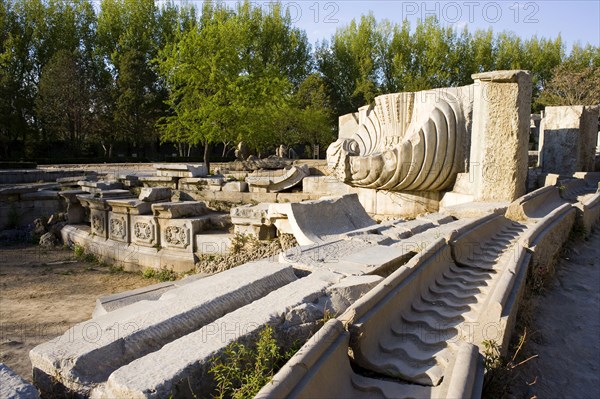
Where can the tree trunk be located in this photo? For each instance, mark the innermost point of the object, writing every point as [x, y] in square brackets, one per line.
[206, 156]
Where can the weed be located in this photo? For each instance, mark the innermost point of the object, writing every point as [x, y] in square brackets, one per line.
[79, 251]
[242, 370]
[163, 274]
[115, 269]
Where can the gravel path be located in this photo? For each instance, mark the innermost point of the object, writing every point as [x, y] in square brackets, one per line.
[566, 330]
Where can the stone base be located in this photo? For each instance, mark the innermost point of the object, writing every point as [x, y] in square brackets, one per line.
[131, 257]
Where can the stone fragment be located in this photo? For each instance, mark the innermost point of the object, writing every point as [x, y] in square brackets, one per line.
[236, 186]
[12, 386]
[347, 291]
[90, 351]
[181, 170]
[276, 181]
[174, 210]
[501, 115]
[154, 194]
[568, 139]
[175, 368]
[321, 220]
[48, 240]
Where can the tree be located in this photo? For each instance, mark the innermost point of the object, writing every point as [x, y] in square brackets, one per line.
[573, 85]
[229, 80]
[315, 119]
[64, 101]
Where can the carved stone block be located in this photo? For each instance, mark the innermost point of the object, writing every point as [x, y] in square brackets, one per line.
[118, 227]
[98, 222]
[144, 230]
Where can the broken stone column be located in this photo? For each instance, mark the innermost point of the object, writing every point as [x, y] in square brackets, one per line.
[501, 120]
[568, 139]
[75, 212]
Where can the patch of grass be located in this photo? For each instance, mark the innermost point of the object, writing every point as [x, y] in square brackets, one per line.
[163, 274]
[79, 251]
[115, 269]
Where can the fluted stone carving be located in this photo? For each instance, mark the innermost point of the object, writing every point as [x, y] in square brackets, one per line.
[405, 142]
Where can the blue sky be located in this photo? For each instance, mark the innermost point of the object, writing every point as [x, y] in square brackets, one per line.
[574, 20]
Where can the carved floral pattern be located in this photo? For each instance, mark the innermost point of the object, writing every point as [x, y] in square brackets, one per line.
[117, 228]
[97, 224]
[176, 236]
[142, 231]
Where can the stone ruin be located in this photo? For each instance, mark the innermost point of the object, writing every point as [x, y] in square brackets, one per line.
[413, 298]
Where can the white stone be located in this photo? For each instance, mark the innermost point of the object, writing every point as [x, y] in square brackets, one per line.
[90, 351]
[12, 386]
[176, 368]
[153, 194]
[321, 220]
[181, 170]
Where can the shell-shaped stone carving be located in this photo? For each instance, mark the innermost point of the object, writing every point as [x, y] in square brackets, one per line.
[405, 142]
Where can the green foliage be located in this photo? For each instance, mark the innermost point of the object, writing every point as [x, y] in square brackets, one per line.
[163, 274]
[135, 71]
[79, 251]
[491, 355]
[84, 256]
[242, 370]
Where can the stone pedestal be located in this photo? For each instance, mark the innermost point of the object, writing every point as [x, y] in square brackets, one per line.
[98, 214]
[568, 139]
[500, 134]
[119, 218]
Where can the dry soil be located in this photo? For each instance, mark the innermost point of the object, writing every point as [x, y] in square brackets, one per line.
[45, 292]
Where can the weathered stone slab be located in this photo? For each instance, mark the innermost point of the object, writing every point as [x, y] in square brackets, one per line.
[175, 370]
[89, 352]
[275, 181]
[42, 195]
[96, 186]
[27, 188]
[117, 193]
[130, 206]
[154, 194]
[174, 210]
[109, 303]
[568, 139]
[159, 181]
[181, 170]
[321, 220]
[252, 220]
[325, 185]
[12, 386]
[235, 186]
[347, 257]
[213, 243]
[347, 291]
[212, 183]
[501, 119]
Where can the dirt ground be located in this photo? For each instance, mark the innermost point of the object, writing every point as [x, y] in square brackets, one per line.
[566, 330]
[45, 292]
